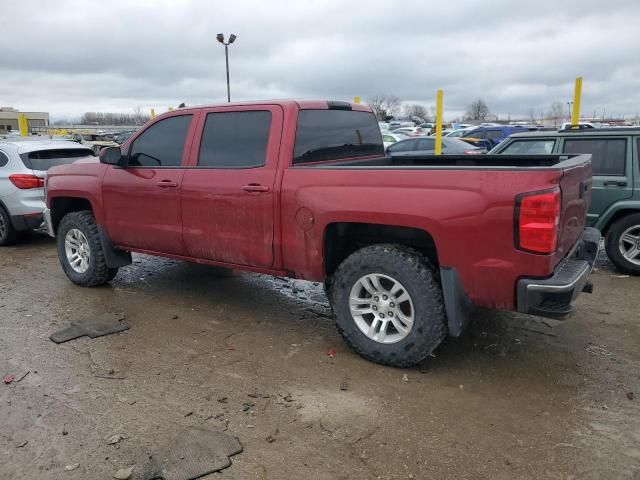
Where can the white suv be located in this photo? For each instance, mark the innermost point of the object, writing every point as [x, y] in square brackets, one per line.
[23, 166]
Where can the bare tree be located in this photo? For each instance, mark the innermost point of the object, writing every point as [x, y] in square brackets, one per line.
[556, 111]
[416, 112]
[532, 115]
[478, 110]
[384, 105]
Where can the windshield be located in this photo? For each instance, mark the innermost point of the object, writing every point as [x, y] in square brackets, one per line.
[45, 159]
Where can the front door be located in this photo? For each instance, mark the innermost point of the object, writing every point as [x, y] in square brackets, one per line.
[229, 189]
[142, 201]
[611, 160]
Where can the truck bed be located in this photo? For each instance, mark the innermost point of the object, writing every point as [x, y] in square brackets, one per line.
[457, 161]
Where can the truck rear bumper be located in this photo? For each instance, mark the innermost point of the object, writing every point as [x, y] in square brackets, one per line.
[552, 297]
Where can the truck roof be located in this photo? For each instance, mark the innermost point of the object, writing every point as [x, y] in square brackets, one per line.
[587, 132]
[298, 104]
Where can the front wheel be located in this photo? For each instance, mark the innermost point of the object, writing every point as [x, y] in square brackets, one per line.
[80, 250]
[389, 306]
[623, 244]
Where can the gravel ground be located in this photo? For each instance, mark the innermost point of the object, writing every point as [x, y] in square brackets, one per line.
[259, 358]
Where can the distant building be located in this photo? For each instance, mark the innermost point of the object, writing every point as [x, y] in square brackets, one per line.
[9, 119]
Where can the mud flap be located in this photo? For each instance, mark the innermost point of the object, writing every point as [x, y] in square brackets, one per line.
[115, 258]
[457, 305]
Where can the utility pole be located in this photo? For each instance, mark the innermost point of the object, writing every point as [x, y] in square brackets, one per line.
[232, 38]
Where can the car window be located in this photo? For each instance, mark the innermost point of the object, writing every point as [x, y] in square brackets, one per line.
[388, 138]
[235, 139]
[426, 144]
[43, 160]
[4, 159]
[456, 133]
[475, 134]
[334, 134]
[495, 134]
[608, 155]
[529, 147]
[162, 144]
[402, 146]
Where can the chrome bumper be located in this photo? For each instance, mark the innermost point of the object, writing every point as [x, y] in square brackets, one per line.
[47, 222]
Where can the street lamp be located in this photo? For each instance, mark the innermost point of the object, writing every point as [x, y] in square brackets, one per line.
[570, 104]
[232, 38]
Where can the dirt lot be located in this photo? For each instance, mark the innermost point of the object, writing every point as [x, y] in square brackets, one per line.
[517, 397]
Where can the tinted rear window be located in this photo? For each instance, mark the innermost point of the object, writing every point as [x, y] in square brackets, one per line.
[334, 134]
[607, 154]
[534, 147]
[45, 159]
[235, 139]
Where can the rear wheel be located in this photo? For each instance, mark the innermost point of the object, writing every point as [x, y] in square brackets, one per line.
[80, 250]
[8, 234]
[388, 304]
[623, 244]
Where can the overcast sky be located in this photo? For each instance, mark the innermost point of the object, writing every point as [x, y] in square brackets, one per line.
[68, 57]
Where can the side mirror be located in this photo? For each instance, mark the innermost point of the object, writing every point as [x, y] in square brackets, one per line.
[112, 156]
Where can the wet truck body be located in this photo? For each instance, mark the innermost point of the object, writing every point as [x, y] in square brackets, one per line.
[303, 189]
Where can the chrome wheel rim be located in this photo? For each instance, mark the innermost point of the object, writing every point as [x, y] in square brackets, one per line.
[76, 247]
[629, 244]
[381, 308]
[3, 226]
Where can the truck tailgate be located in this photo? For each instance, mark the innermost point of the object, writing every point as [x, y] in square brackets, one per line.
[575, 185]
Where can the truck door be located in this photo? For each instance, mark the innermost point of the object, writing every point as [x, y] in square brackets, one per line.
[229, 190]
[142, 201]
[612, 170]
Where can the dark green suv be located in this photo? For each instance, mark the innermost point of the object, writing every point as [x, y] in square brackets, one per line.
[615, 200]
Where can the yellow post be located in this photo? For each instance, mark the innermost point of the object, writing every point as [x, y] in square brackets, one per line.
[577, 93]
[438, 149]
[153, 113]
[23, 125]
[171, 109]
[356, 99]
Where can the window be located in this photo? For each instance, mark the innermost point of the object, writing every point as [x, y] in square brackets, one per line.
[529, 147]
[334, 134]
[475, 134]
[161, 144]
[495, 135]
[426, 144]
[388, 138]
[235, 139]
[45, 159]
[607, 154]
[402, 146]
[3, 159]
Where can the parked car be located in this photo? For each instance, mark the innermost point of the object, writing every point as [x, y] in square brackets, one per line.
[489, 136]
[460, 132]
[23, 165]
[411, 131]
[615, 202]
[405, 246]
[123, 137]
[426, 146]
[389, 138]
[398, 124]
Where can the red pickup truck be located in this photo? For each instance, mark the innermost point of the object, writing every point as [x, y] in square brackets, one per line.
[406, 246]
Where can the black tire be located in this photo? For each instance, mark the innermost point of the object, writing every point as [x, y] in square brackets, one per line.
[8, 234]
[98, 273]
[612, 242]
[416, 274]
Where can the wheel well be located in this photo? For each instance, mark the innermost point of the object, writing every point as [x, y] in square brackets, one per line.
[342, 239]
[62, 205]
[617, 216]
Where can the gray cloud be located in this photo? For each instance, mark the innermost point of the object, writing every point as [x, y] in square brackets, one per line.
[68, 57]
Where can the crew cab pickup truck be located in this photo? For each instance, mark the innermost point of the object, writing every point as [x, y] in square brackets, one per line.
[406, 247]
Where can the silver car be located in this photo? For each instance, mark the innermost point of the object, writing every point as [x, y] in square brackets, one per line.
[416, 146]
[23, 166]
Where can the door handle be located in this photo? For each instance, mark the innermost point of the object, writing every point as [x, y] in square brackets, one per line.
[615, 183]
[167, 184]
[255, 188]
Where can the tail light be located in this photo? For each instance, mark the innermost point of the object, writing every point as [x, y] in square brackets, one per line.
[26, 181]
[538, 221]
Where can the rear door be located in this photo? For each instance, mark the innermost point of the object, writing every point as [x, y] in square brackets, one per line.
[229, 190]
[612, 169]
[142, 201]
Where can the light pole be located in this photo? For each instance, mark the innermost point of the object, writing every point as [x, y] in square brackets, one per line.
[570, 107]
[232, 38]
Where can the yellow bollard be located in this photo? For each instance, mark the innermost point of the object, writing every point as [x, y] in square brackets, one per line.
[356, 99]
[438, 149]
[171, 109]
[23, 125]
[577, 93]
[153, 113]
